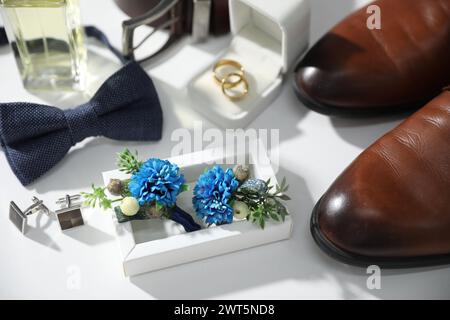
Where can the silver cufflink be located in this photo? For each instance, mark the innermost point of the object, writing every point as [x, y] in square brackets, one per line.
[19, 218]
[69, 215]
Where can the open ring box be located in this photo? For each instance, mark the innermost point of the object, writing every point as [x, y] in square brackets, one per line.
[268, 38]
[153, 244]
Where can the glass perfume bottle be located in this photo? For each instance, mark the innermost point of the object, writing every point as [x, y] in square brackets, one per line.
[48, 42]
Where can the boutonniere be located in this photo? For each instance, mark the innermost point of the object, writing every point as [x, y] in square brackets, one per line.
[223, 195]
[150, 192]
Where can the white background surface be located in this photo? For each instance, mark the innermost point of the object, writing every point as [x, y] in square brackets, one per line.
[313, 150]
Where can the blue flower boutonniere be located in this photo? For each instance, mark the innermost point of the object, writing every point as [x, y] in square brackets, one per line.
[222, 195]
[157, 181]
[151, 191]
[212, 195]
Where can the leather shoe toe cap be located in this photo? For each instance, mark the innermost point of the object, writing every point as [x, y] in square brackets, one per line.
[351, 224]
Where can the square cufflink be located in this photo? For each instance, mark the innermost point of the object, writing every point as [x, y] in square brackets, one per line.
[69, 216]
[20, 218]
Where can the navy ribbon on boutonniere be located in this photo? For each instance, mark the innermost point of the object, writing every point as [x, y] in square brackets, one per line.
[174, 213]
[159, 182]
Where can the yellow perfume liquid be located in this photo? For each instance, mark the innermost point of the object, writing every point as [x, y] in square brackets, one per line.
[48, 42]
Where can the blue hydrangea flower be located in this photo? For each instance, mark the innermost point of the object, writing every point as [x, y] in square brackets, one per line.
[157, 181]
[212, 195]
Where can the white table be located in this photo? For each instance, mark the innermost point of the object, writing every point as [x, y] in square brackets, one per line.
[84, 263]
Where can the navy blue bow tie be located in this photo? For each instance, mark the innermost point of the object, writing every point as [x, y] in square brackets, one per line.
[36, 137]
[3, 38]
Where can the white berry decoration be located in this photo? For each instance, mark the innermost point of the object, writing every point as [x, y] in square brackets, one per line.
[129, 206]
[240, 210]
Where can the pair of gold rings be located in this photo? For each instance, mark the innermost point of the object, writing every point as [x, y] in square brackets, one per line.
[230, 75]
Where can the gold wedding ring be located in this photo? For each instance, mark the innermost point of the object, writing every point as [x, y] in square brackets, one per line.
[219, 66]
[228, 85]
[230, 79]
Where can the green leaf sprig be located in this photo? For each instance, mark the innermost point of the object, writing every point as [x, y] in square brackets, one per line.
[128, 162]
[98, 198]
[264, 207]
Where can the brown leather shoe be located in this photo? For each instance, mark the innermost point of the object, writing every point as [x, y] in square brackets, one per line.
[356, 71]
[391, 206]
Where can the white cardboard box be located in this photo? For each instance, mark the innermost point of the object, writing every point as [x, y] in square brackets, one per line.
[268, 38]
[155, 244]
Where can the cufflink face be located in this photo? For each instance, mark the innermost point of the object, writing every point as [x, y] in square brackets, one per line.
[69, 218]
[17, 217]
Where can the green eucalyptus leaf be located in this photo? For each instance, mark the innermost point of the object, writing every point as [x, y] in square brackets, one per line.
[159, 206]
[284, 197]
[274, 216]
[262, 223]
[283, 183]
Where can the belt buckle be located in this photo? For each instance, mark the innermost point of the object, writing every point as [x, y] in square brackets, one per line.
[200, 25]
[129, 26]
[200, 20]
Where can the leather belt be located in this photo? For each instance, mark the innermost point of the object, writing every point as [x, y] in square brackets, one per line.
[197, 17]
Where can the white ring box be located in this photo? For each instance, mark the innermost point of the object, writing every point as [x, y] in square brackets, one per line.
[154, 244]
[268, 38]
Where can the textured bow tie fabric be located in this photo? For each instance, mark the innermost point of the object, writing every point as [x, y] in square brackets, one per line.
[36, 137]
[3, 38]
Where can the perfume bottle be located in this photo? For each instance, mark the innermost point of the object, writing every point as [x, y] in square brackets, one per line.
[48, 43]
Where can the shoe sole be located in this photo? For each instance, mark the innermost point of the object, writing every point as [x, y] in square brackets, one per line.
[364, 261]
[353, 112]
